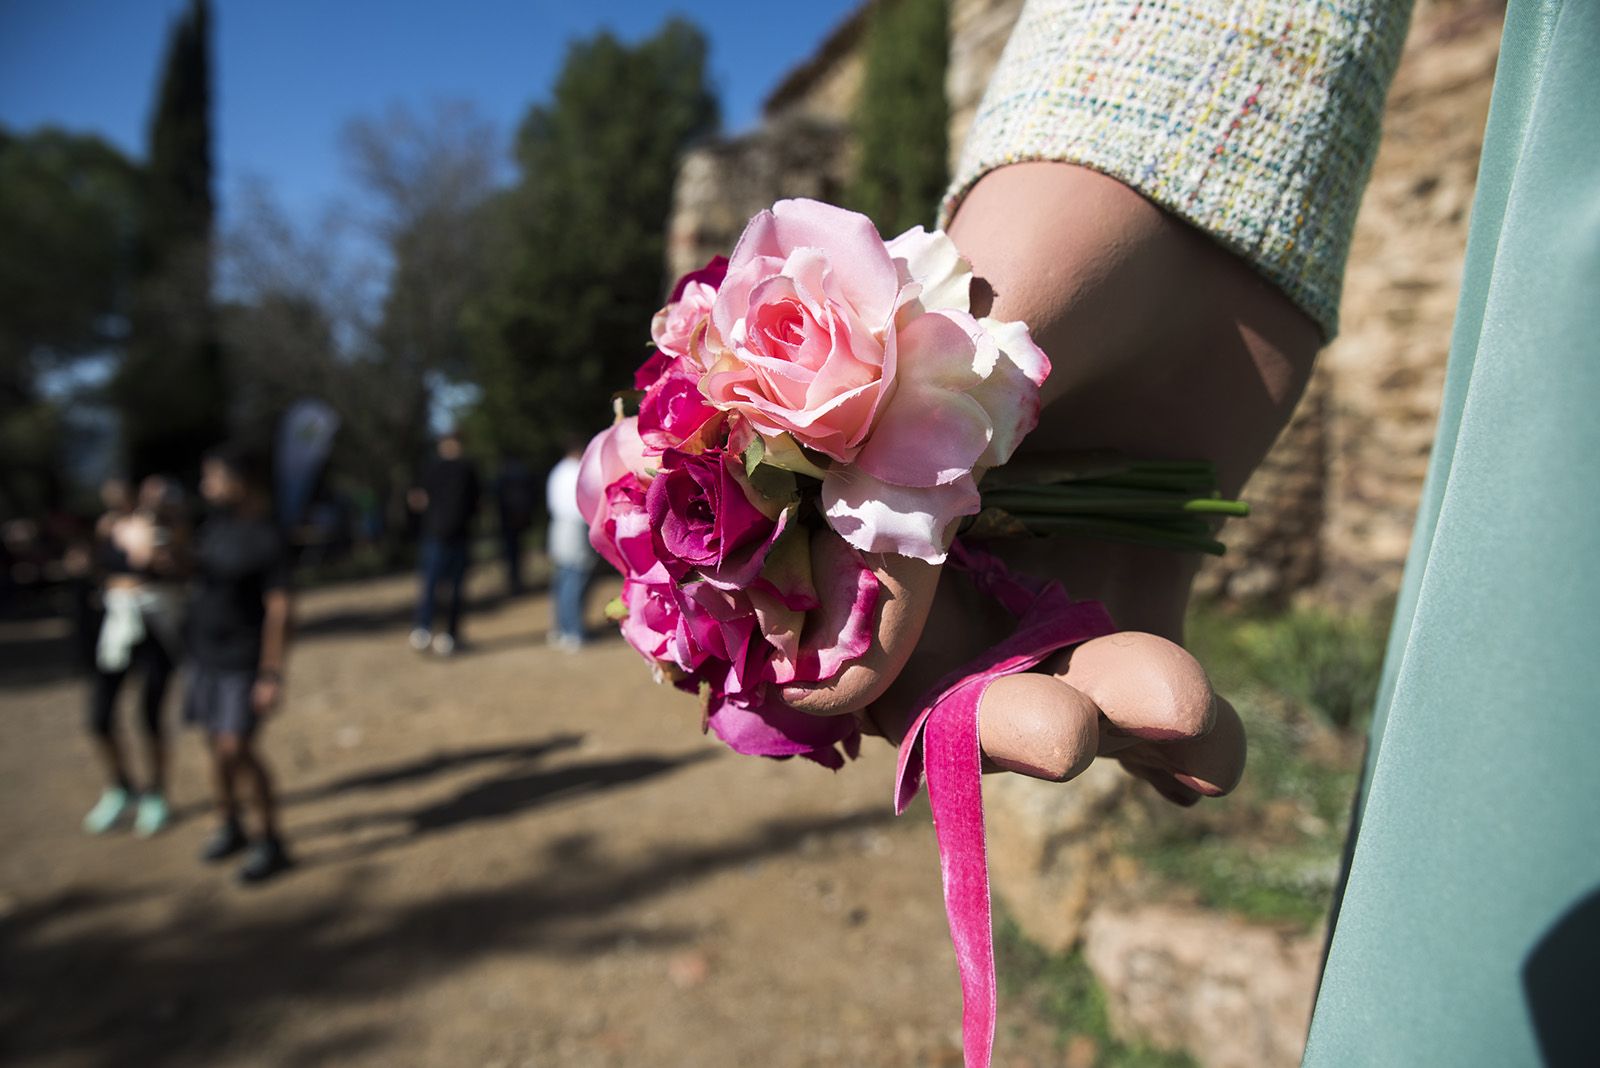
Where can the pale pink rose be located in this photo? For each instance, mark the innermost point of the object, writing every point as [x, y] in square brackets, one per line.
[966, 395]
[803, 327]
[867, 353]
[673, 327]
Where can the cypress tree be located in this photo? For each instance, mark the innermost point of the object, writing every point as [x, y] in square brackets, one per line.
[902, 118]
[170, 389]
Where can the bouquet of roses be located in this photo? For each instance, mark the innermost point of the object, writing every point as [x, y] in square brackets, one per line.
[822, 398]
[822, 395]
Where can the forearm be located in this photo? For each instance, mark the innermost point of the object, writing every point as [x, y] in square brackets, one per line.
[1162, 343]
[275, 633]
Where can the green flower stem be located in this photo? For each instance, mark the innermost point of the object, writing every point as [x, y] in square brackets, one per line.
[1115, 530]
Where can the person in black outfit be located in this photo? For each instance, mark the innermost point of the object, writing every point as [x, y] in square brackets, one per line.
[448, 501]
[515, 493]
[238, 638]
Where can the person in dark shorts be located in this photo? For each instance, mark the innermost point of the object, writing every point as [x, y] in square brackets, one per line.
[238, 636]
[448, 501]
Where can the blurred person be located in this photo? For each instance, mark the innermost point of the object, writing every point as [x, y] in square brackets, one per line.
[571, 556]
[448, 502]
[239, 621]
[139, 549]
[514, 490]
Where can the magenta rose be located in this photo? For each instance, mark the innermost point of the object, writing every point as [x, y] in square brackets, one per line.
[757, 723]
[674, 411]
[703, 516]
[654, 625]
[612, 484]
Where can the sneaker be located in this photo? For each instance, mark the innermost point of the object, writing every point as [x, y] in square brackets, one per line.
[443, 645]
[420, 639]
[267, 858]
[152, 817]
[111, 807]
[571, 643]
[224, 842]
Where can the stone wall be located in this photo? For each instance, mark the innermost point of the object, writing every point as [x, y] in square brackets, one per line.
[979, 30]
[724, 182]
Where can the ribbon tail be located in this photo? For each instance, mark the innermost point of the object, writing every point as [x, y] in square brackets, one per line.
[954, 771]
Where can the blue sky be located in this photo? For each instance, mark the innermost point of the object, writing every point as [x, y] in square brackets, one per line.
[289, 73]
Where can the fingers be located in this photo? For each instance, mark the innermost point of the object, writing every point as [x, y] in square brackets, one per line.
[904, 599]
[1038, 726]
[1149, 688]
[1209, 766]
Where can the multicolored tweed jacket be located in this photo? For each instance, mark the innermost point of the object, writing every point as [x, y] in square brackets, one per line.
[1255, 120]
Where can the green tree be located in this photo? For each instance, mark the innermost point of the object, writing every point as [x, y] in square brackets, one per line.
[69, 209]
[902, 118]
[170, 389]
[426, 177]
[580, 239]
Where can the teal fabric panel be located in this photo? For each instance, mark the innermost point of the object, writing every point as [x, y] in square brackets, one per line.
[1469, 930]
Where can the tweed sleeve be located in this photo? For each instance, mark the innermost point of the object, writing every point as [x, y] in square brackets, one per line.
[1254, 120]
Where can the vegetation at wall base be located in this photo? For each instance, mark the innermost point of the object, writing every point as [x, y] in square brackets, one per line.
[1060, 989]
[902, 118]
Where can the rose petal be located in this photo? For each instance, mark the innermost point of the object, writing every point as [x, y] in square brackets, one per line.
[765, 726]
[879, 517]
[931, 260]
[612, 453]
[858, 258]
[932, 432]
[839, 630]
[1010, 392]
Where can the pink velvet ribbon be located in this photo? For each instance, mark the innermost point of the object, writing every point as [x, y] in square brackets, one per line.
[943, 744]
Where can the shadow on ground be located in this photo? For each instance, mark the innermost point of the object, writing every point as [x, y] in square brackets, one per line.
[493, 799]
[80, 985]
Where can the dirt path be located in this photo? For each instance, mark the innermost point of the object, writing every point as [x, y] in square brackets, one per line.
[516, 857]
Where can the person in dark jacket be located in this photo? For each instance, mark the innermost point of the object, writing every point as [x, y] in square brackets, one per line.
[448, 501]
[238, 627]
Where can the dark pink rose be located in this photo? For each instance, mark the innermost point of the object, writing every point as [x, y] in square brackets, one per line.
[674, 410]
[704, 517]
[721, 625]
[621, 531]
[655, 626]
[759, 724]
[612, 481]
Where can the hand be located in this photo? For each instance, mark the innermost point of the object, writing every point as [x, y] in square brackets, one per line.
[265, 694]
[1163, 345]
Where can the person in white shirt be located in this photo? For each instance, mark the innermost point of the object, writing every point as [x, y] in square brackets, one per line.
[569, 550]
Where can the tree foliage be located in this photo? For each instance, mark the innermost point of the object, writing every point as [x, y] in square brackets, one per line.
[72, 203]
[902, 118]
[579, 240]
[69, 209]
